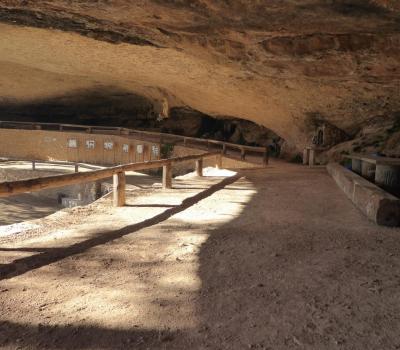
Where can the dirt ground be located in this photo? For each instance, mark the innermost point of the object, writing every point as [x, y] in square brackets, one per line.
[26, 206]
[265, 259]
[29, 206]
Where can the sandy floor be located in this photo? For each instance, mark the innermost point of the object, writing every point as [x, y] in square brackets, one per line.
[267, 259]
[27, 206]
[20, 208]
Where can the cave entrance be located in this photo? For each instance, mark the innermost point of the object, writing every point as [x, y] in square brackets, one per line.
[111, 106]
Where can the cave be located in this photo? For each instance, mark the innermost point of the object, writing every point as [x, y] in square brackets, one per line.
[108, 106]
[219, 174]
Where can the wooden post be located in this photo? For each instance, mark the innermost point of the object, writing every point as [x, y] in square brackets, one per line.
[218, 164]
[242, 154]
[306, 156]
[266, 156]
[167, 176]
[119, 184]
[33, 165]
[224, 148]
[199, 167]
[184, 141]
[77, 167]
[311, 160]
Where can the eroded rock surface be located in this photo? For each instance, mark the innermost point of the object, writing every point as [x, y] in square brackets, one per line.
[276, 63]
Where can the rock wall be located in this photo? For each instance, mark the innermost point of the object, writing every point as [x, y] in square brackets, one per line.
[271, 62]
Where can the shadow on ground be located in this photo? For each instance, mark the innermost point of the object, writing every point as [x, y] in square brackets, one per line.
[298, 268]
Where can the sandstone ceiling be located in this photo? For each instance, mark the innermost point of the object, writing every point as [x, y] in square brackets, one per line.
[279, 63]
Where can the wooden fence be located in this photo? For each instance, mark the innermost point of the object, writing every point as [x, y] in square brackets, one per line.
[157, 137]
[118, 173]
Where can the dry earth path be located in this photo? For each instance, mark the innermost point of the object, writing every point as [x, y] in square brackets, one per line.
[268, 259]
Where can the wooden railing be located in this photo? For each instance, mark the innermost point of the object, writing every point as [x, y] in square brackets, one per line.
[35, 162]
[118, 173]
[144, 135]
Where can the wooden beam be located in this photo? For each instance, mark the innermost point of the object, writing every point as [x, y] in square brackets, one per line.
[119, 186]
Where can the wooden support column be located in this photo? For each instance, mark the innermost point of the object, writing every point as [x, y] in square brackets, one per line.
[33, 165]
[218, 163]
[311, 158]
[266, 156]
[242, 154]
[199, 167]
[119, 184]
[306, 156]
[224, 148]
[167, 176]
[77, 167]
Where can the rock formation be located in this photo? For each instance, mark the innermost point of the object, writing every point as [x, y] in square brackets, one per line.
[275, 63]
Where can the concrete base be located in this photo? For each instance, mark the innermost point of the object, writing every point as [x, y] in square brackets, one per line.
[378, 205]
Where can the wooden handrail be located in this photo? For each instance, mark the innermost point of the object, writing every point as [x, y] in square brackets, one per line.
[53, 162]
[16, 187]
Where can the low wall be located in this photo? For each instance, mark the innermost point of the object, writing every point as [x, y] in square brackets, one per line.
[72, 147]
[87, 148]
[378, 205]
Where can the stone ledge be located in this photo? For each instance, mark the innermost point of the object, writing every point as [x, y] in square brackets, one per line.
[378, 205]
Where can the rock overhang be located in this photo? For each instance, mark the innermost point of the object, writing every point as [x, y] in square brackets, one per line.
[275, 63]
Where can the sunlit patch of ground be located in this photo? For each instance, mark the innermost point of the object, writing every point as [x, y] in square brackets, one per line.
[122, 272]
